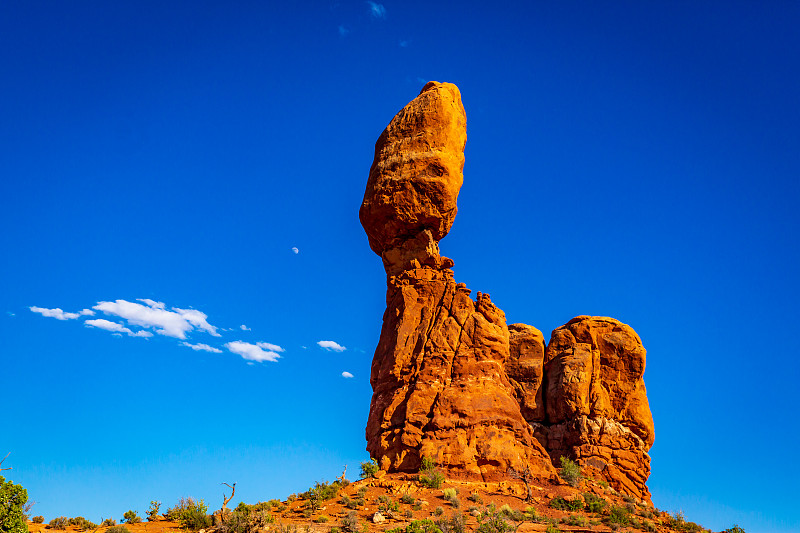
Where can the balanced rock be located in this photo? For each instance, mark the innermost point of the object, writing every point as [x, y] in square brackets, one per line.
[451, 381]
[438, 379]
[416, 174]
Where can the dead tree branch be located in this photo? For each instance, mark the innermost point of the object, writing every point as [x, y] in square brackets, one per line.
[225, 500]
[525, 476]
[1, 462]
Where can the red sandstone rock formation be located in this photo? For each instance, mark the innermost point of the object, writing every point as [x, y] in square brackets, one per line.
[440, 389]
[450, 380]
[596, 402]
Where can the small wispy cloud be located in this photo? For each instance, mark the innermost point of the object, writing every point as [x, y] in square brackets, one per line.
[269, 346]
[200, 347]
[252, 352]
[377, 10]
[342, 33]
[59, 314]
[114, 327]
[295, 250]
[346, 374]
[9, 313]
[175, 323]
[404, 44]
[331, 346]
[244, 328]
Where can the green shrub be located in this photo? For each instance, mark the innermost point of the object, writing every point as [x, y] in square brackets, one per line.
[594, 503]
[475, 497]
[321, 492]
[38, 519]
[450, 495]
[531, 515]
[429, 475]
[566, 505]
[574, 520]
[350, 522]
[417, 506]
[423, 526]
[321, 519]
[408, 513]
[456, 524]
[60, 522]
[649, 527]
[12, 507]
[514, 514]
[734, 529]
[570, 472]
[107, 522]
[118, 529]
[152, 512]
[432, 479]
[369, 469]
[407, 498]
[493, 522]
[618, 515]
[131, 517]
[238, 520]
[82, 524]
[190, 514]
[438, 511]
[552, 529]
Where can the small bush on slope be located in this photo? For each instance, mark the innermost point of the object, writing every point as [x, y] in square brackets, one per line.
[190, 514]
[429, 475]
[369, 469]
[570, 472]
[60, 522]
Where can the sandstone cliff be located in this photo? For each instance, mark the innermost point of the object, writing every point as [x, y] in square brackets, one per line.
[450, 379]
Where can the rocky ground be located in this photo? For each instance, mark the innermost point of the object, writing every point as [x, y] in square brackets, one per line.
[398, 502]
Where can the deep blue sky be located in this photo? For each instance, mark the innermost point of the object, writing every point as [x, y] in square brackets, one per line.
[638, 160]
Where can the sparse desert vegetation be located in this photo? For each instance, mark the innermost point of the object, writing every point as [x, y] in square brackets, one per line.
[406, 503]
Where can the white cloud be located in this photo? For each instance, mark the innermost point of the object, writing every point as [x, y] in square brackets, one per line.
[331, 346]
[201, 347]
[56, 313]
[270, 347]
[86, 312]
[102, 323]
[174, 323]
[295, 249]
[252, 352]
[244, 328]
[152, 303]
[347, 375]
[377, 10]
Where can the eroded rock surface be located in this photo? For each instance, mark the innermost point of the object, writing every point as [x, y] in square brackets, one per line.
[596, 402]
[525, 369]
[450, 379]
